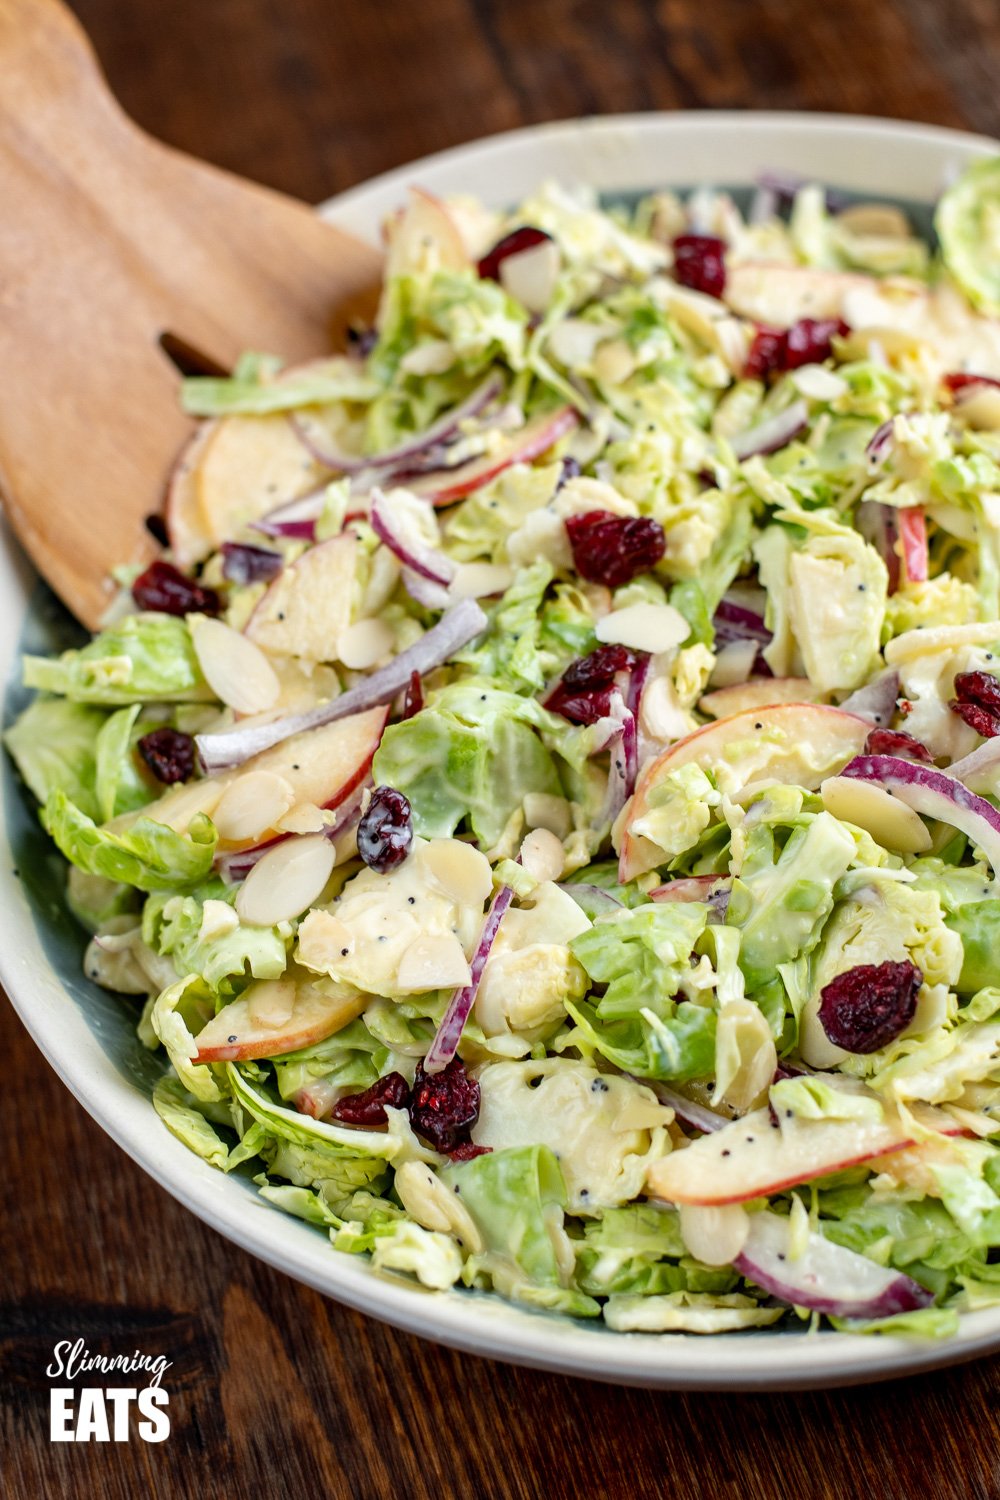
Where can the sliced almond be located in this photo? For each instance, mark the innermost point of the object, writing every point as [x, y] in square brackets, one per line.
[542, 855]
[365, 643]
[217, 919]
[889, 821]
[324, 940]
[480, 580]
[819, 384]
[457, 869]
[286, 880]
[980, 408]
[433, 962]
[715, 1236]
[252, 804]
[236, 670]
[542, 810]
[270, 1002]
[530, 276]
[304, 817]
[644, 627]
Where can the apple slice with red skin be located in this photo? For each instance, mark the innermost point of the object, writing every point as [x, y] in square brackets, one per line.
[236, 1034]
[913, 536]
[308, 606]
[323, 766]
[189, 537]
[521, 448]
[756, 692]
[757, 1156]
[800, 743]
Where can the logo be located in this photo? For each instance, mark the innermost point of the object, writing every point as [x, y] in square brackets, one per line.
[103, 1413]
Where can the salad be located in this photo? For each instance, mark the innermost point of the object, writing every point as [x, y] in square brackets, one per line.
[544, 801]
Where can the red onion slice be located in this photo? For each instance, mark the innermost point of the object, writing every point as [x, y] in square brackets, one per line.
[424, 561]
[774, 433]
[294, 518]
[422, 591]
[934, 794]
[444, 427]
[826, 1277]
[879, 525]
[231, 747]
[449, 1033]
[977, 769]
[876, 701]
[734, 622]
[880, 442]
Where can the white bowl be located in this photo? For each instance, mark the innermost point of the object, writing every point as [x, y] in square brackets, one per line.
[88, 1036]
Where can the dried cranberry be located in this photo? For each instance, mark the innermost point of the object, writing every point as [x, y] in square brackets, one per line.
[469, 1152]
[413, 696]
[169, 754]
[583, 695]
[612, 549]
[168, 591]
[385, 833]
[524, 238]
[977, 701]
[700, 263]
[599, 669]
[445, 1105]
[897, 742]
[810, 340]
[767, 354]
[807, 342]
[242, 563]
[867, 1007]
[368, 1108]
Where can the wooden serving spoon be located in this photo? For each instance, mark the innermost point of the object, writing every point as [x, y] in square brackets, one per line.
[108, 241]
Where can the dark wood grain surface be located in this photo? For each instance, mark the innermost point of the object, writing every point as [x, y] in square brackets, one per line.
[276, 1391]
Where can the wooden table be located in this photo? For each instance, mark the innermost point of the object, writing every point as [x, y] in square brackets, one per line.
[276, 1391]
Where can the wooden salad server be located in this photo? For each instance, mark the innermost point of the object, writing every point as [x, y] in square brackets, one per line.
[108, 241]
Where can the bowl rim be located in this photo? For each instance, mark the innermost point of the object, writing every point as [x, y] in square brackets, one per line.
[483, 1324]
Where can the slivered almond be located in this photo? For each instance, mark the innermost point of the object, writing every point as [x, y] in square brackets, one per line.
[363, 644]
[253, 803]
[644, 627]
[433, 962]
[543, 855]
[236, 670]
[286, 880]
[458, 869]
[271, 1001]
[480, 580]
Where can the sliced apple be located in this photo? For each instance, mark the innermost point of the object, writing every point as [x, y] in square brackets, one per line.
[325, 765]
[248, 466]
[913, 535]
[308, 606]
[521, 448]
[756, 692]
[273, 1017]
[800, 743]
[190, 539]
[779, 295]
[423, 237]
[755, 1156]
